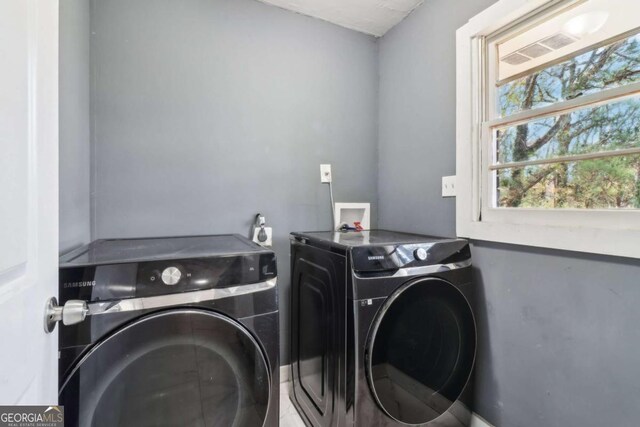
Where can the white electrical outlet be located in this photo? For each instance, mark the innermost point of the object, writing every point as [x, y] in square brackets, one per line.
[269, 241]
[325, 174]
[449, 186]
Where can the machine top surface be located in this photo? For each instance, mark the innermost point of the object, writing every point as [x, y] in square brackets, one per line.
[352, 239]
[381, 250]
[118, 251]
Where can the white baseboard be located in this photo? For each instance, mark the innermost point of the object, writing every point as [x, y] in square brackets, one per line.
[478, 421]
[285, 373]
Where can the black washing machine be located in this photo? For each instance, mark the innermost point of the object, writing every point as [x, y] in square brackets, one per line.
[382, 329]
[179, 331]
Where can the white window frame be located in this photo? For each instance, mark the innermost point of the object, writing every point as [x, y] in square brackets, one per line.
[596, 231]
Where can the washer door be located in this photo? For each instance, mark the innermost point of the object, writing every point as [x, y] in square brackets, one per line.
[183, 367]
[421, 350]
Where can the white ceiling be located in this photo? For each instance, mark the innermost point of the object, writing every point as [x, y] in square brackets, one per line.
[374, 17]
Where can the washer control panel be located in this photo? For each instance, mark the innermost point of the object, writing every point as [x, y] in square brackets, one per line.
[151, 278]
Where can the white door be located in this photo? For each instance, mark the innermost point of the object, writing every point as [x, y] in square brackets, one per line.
[28, 198]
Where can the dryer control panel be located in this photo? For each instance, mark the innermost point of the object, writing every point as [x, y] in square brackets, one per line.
[379, 258]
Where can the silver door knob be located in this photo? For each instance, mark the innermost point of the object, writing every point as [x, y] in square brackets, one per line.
[73, 311]
[420, 254]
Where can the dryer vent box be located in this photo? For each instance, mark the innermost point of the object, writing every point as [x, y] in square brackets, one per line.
[349, 213]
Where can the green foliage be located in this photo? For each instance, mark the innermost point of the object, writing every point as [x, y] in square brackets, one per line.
[609, 183]
[612, 182]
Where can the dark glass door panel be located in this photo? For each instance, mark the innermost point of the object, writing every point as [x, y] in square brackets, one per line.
[181, 367]
[421, 350]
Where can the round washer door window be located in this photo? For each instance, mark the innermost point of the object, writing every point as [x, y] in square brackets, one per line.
[182, 367]
[421, 350]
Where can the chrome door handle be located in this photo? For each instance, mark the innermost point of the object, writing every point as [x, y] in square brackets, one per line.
[73, 311]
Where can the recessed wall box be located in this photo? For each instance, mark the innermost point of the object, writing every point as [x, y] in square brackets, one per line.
[349, 213]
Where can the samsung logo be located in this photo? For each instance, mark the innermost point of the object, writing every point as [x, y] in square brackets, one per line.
[85, 284]
[376, 257]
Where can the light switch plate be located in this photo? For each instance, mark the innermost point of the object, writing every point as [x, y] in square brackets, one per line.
[449, 186]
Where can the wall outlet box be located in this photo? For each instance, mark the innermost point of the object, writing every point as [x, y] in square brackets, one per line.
[349, 213]
[325, 174]
[449, 186]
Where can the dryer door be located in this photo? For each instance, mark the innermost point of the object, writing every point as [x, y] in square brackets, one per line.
[421, 350]
[183, 367]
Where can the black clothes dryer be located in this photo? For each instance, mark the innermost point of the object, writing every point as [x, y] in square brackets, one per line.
[382, 329]
[179, 331]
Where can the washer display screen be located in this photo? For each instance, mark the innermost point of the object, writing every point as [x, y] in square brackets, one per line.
[182, 367]
[421, 350]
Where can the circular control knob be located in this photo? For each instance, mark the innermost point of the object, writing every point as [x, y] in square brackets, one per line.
[171, 276]
[420, 254]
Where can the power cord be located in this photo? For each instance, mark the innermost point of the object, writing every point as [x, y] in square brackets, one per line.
[333, 208]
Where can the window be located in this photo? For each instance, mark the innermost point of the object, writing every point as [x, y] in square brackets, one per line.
[549, 125]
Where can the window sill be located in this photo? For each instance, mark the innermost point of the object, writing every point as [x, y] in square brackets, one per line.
[624, 243]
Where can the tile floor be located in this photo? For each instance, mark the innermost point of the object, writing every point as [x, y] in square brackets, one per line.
[288, 415]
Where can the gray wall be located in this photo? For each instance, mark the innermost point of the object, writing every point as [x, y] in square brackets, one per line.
[208, 111]
[559, 342]
[74, 123]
